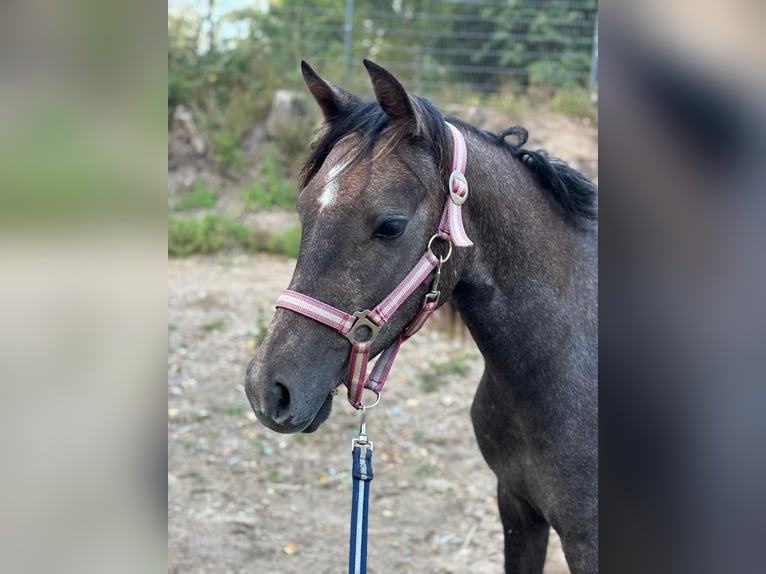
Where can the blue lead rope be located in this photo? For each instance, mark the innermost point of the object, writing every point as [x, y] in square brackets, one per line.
[362, 475]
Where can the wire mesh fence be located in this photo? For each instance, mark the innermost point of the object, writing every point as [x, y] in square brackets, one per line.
[459, 45]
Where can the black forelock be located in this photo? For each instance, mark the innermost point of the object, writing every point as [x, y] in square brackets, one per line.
[368, 121]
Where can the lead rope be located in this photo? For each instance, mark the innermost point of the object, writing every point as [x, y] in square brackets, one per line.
[361, 448]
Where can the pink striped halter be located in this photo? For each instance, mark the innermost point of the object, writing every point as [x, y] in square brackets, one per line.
[450, 230]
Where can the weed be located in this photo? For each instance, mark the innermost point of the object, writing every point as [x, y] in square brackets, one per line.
[574, 102]
[196, 196]
[292, 141]
[228, 126]
[285, 242]
[213, 233]
[272, 188]
[273, 475]
[424, 470]
[226, 152]
[216, 325]
[234, 410]
[436, 376]
[207, 234]
[188, 444]
[508, 102]
[261, 445]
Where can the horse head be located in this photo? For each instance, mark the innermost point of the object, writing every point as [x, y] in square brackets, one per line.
[372, 193]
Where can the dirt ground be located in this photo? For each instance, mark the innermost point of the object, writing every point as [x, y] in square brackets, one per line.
[244, 499]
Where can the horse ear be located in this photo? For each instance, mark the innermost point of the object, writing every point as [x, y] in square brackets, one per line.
[332, 100]
[403, 110]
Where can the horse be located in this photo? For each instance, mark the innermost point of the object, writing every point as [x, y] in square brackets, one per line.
[373, 191]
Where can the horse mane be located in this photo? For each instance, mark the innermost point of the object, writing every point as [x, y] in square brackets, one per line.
[577, 196]
[575, 193]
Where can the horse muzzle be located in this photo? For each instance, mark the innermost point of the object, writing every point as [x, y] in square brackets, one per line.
[284, 403]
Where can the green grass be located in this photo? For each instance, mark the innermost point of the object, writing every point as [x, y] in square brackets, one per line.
[207, 234]
[196, 196]
[234, 410]
[424, 470]
[262, 446]
[216, 325]
[214, 233]
[574, 102]
[284, 242]
[272, 188]
[435, 377]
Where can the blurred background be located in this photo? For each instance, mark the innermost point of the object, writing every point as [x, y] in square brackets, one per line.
[240, 119]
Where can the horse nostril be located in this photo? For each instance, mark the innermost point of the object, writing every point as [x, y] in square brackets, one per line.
[281, 403]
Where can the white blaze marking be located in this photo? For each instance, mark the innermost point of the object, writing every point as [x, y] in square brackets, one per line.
[331, 188]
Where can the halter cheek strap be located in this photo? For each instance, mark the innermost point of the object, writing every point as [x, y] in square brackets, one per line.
[362, 327]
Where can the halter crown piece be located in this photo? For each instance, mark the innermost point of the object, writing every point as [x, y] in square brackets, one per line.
[450, 230]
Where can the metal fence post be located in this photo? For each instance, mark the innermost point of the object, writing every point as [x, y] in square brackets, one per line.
[347, 37]
[594, 62]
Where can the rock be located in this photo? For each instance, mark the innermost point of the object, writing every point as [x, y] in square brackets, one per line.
[285, 107]
[185, 141]
[251, 143]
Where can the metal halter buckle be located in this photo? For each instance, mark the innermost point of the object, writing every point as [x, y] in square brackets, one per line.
[362, 321]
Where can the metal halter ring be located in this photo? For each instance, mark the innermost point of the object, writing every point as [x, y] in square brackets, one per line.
[443, 238]
[364, 407]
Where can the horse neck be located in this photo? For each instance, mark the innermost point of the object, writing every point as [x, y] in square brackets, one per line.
[528, 286]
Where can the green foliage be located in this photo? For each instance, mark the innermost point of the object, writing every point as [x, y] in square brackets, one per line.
[292, 142]
[272, 188]
[207, 234]
[516, 45]
[196, 196]
[213, 233]
[286, 242]
[226, 152]
[436, 376]
[216, 325]
[545, 43]
[234, 410]
[575, 102]
[226, 87]
[424, 470]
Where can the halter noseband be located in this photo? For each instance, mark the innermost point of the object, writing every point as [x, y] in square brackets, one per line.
[369, 322]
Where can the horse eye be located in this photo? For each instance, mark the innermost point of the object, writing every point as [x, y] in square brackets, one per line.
[390, 228]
